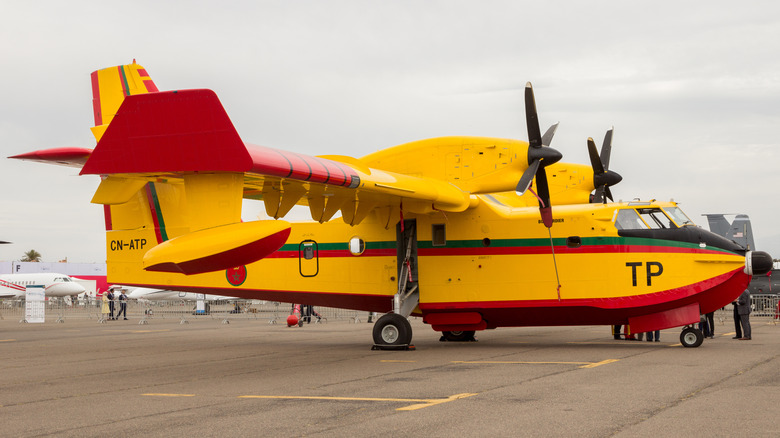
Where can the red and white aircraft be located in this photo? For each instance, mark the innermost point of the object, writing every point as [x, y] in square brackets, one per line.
[54, 284]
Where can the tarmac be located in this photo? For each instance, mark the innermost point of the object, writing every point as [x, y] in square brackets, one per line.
[251, 378]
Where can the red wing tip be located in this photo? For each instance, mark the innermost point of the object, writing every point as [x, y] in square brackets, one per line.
[56, 154]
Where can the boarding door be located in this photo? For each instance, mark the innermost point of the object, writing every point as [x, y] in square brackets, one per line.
[406, 253]
[308, 258]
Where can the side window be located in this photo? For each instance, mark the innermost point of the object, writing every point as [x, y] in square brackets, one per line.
[308, 251]
[356, 246]
[628, 219]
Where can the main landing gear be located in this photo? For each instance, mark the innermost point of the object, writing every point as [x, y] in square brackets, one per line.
[691, 337]
[392, 332]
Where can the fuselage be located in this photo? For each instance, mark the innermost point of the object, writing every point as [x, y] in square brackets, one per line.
[55, 285]
[496, 264]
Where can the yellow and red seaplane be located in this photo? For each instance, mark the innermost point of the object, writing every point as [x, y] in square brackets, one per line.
[470, 233]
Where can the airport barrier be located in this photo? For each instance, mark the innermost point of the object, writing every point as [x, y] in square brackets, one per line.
[762, 307]
[145, 311]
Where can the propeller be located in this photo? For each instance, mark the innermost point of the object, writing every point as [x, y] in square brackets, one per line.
[603, 178]
[540, 155]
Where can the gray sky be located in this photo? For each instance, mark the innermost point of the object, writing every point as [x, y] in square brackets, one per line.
[692, 89]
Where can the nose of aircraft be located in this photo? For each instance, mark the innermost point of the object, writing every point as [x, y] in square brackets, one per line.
[75, 288]
[758, 262]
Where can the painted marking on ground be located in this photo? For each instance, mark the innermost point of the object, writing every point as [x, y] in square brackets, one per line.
[418, 403]
[7, 340]
[621, 343]
[138, 331]
[504, 362]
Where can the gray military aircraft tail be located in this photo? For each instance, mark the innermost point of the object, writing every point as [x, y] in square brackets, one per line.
[740, 231]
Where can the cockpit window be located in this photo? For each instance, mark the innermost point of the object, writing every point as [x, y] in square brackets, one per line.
[644, 218]
[629, 220]
[655, 218]
[680, 218]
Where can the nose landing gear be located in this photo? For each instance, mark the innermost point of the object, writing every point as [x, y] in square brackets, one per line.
[691, 337]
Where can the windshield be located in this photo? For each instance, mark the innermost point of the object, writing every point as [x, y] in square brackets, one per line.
[643, 218]
[680, 218]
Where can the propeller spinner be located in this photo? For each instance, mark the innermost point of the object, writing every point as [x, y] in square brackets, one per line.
[540, 155]
[603, 178]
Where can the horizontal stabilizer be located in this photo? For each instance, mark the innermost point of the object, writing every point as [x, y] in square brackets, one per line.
[171, 131]
[218, 248]
[72, 157]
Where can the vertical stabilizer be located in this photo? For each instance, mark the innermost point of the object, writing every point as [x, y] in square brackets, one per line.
[110, 86]
[739, 230]
[718, 224]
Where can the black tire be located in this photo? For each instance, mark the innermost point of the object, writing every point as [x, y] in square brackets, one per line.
[392, 329]
[691, 337]
[458, 336]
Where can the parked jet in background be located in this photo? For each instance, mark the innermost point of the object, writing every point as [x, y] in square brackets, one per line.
[144, 293]
[55, 285]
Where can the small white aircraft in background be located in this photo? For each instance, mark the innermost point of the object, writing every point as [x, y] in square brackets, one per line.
[54, 285]
[143, 293]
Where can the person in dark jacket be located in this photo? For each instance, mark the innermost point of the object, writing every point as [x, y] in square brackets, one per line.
[743, 308]
[111, 305]
[122, 305]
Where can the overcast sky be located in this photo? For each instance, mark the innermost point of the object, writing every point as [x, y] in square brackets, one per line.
[692, 89]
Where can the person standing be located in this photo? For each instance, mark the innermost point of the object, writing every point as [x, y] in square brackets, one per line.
[122, 305]
[110, 305]
[710, 317]
[743, 307]
[104, 308]
[737, 322]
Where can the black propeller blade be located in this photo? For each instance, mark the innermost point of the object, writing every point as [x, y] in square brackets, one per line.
[603, 178]
[540, 155]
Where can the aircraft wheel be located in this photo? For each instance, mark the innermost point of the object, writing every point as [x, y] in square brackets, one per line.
[691, 337]
[458, 336]
[392, 329]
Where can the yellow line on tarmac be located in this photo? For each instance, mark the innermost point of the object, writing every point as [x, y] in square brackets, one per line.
[169, 395]
[596, 364]
[7, 340]
[582, 364]
[419, 403]
[436, 402]
[138, 331]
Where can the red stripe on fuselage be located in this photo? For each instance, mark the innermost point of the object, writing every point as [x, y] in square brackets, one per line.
[335, 253]
[511, 250]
